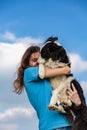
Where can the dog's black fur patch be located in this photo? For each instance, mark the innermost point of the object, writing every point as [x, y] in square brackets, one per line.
[55, 52]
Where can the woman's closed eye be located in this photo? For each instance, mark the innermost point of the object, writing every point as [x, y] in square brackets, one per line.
[35, 60]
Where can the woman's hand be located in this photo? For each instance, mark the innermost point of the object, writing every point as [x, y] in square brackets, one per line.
[73, 96]
[66, 70]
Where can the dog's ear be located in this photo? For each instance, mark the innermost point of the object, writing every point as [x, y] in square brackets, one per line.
[62, 56]
[45, 52]
[52, 39]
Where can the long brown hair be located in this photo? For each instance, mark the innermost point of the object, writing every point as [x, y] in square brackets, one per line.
[19, 82]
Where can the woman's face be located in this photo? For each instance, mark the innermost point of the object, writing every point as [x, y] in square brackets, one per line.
[33, 59]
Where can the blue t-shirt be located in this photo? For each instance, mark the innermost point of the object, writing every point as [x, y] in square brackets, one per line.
[39, 92]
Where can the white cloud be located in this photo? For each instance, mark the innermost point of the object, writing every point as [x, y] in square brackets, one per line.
[84, 86]
[25, 40]
[28, 40]
[77, 63]
[10, 54]
[8, 127]
[8, 36]
[10, 113]
[19, 117]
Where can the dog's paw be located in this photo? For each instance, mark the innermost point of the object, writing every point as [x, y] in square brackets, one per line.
[52, 108]
[61, 109]
[69, 103]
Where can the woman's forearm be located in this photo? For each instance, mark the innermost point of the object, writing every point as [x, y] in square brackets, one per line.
[49, 72]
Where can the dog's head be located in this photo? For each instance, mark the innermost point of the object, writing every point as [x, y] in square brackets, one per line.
[54, 51]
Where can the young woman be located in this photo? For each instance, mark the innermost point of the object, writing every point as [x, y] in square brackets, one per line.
[39, 90]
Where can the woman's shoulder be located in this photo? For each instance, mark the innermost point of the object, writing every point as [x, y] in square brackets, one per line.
[29, 69]
[31, 74]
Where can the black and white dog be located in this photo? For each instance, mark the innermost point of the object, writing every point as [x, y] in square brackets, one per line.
[54, 55]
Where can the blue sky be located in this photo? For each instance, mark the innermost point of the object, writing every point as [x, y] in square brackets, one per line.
[27, 22]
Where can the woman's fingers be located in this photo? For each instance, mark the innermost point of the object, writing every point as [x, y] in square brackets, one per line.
[73, 95]
[73, 87]
[73, 90]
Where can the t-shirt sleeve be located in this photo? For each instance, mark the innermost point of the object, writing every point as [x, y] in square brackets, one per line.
[31, 74]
